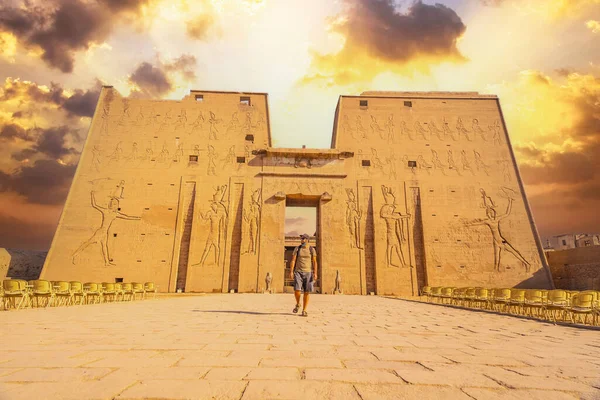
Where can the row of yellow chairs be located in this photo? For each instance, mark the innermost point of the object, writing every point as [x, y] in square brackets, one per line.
[565, 305]
[20, 293]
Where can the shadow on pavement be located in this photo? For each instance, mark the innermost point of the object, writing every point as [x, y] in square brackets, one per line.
[240, 312]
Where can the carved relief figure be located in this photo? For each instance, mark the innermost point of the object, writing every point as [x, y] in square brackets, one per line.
[118, 153]
[353, 216]
[506, 175]
[125, 116]
[360, 129]
[466, 164]
[476, 129]
[134, 152]
[178, 153]
[496, 132]
[492, 221]
[391, 164]
[437, 164]
[407, 167]
[212, 155]
[96, 157]
[420, 131]
[247, 128]
[338, 282]
[197, 124]
[181, 120]
[406, 131]
[196, 150]
[260, 123]
[376, 160]
[394, 227]
[167, 120]
[448, 131]
[153, 118]
[149, 154]
[214, 130]
[217, 217]
[105, 118]
[119, 191]
[460, 128]
[423, 165]
[233, 125]
[375, 128]
[434, 130]
[229, 159]
[347, 129]
[140, 118]
[251, 216]
[389, 126]
[164, 154]
[452, 164]
[479, 164]
[109, 215]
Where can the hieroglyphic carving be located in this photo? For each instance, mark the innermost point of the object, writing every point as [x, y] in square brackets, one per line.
[164, 154]
[167, 121]
[434, 130]
[346, 128]
[260, 123]
[181, 120]
[197, 124]
[149, 154]
[251, 217]
[212, 156]
[423, 165]
[105, 117]
[353, 216]
[217, 217]
[496, 132]
[178, 153]
[405, 131]
[247, 128]
[360, 129]
[377, 163]
[479, 164]
[134, 152]
[233, 125]
[420, 131]
[395, 234]
[390, 128]
[109, 215]
[505, 167]
[391, 164]
[119, 192]
[376, 129]
[476, 129]
[448, 131]
[407, 166]
[125, 116]
[229, 159]
[437, 164]
[492, 221]
[117, 154]
[466, 164]
[461, 130]
[452, 164]
[214, 130]
[96, 157]
[140, 118]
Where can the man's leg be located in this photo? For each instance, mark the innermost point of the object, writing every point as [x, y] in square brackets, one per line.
[297, 295]
[305, 300]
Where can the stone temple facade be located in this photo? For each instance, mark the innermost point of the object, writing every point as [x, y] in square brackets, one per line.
[417, 189]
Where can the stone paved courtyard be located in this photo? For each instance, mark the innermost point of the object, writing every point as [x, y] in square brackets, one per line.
[252, 347]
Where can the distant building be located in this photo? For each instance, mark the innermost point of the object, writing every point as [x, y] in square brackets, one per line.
[574, 240]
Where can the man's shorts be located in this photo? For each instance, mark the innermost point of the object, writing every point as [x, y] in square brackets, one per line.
[303, 281]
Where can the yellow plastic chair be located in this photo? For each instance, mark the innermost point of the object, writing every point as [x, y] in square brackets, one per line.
[128, 291]
[13, 289]
[458, 296]
[534, 300]
[517, 300]
[92, 290]
[62, 293]
[108, 291]
[42, 288]
[470, 293]
[582, 303]
[481, 297]
[138, 288]
[557, 303]
[77, 292]
[2, 297]
[490, 301]
[501, 299]
[150, 287]
[118, 291]
[425, 290]
[446, 294]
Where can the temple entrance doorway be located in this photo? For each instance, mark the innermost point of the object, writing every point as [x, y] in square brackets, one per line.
[302, 215]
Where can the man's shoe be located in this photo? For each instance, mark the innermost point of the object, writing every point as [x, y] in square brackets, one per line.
[295, 310]
[304, 314]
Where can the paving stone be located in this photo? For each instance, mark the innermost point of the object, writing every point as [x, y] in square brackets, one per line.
[274, 373]
[299, 390]
[227, 374]
[402, 392]
[56, 374]
[183, 389]
[503, 394]
[351, 375]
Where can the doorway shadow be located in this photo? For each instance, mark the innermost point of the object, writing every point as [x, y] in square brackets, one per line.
[240, 312]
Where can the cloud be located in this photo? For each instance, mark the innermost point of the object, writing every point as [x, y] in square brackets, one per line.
[18, 233]
[11, 132]
[379, 38]
[50, 142]
[61, 28]
[549, 9]
[200, 27]
[594, 26]
[79, 103]
[296, 221]
[44, 182]
[155, 81]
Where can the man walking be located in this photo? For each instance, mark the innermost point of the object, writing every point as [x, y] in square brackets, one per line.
[300, 271]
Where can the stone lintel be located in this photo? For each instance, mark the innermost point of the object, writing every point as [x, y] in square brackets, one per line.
[305, 153]
[302, 175]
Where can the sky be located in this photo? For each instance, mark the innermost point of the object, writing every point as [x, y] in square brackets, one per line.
[541, 57]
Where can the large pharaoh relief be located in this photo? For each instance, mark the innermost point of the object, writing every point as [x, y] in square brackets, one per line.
[495, 214]
[396, 229]
[252, 220]
[215, 221]
[353, 216]
[107, 203]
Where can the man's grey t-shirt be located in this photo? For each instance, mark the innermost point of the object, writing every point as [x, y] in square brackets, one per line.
[304, 255]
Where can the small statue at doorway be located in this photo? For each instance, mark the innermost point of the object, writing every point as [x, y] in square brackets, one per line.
[338, 283]
[268, 281]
